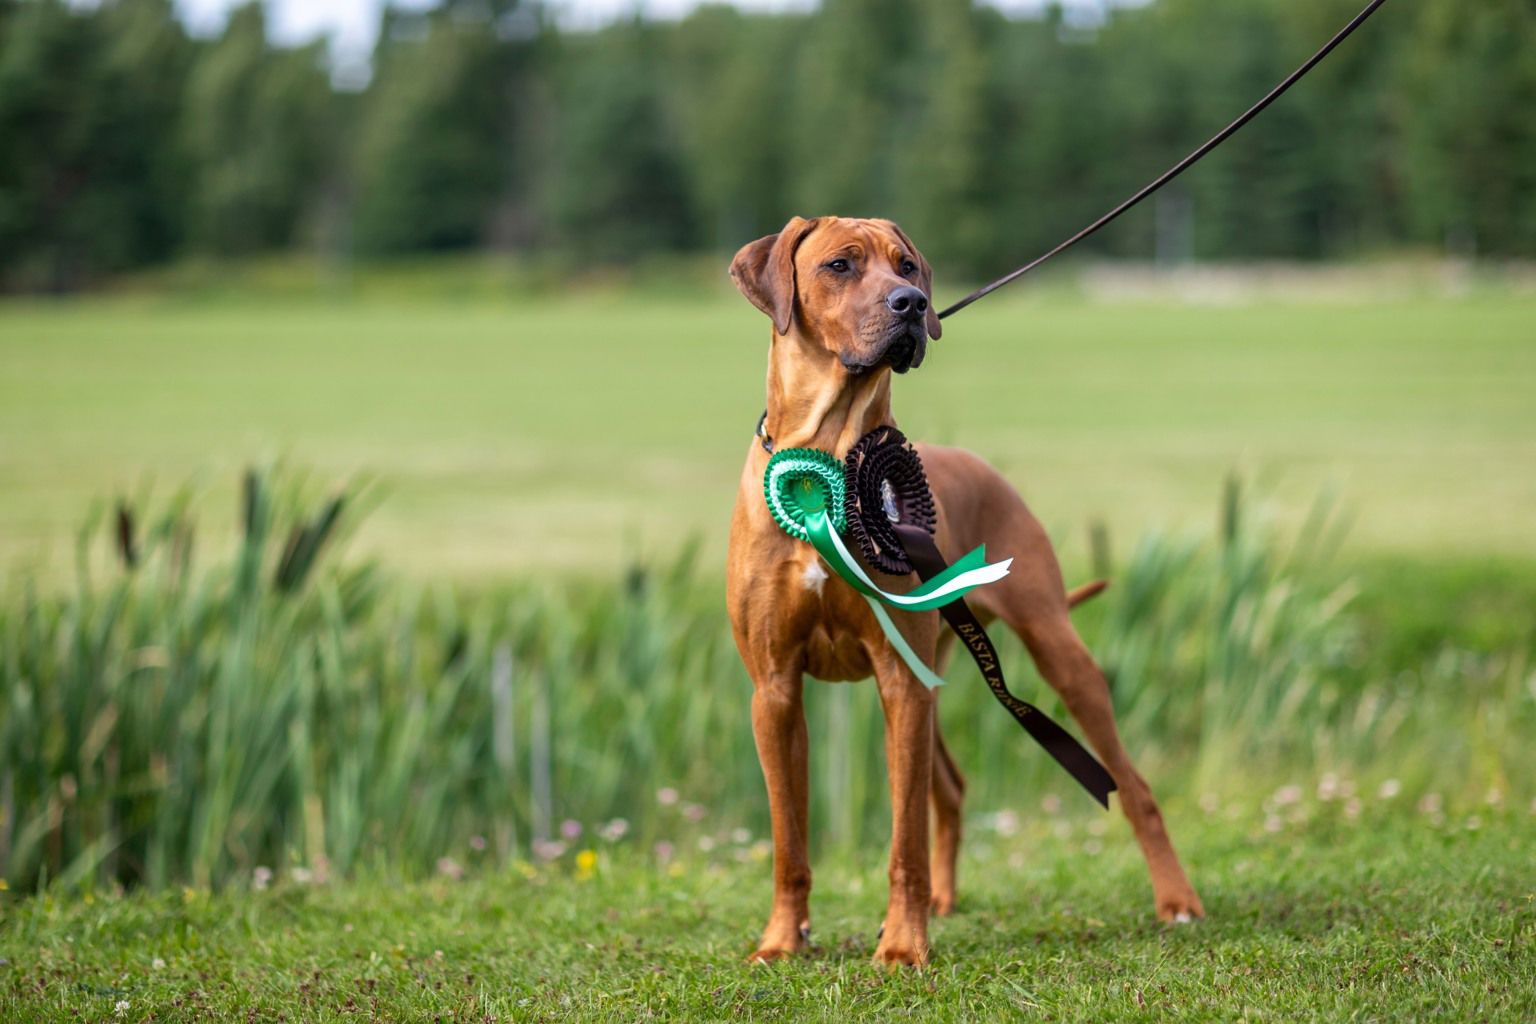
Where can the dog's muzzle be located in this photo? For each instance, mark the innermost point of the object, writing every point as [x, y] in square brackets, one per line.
[903, 350]
[907, 351]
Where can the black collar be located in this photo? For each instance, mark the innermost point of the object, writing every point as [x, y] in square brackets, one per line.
[762, 433]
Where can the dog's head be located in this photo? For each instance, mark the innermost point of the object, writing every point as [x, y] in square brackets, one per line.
[858, 288]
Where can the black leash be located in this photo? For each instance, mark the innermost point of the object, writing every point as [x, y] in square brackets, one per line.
[1178, 168]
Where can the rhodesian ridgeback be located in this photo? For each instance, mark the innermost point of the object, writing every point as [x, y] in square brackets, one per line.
[849, 301]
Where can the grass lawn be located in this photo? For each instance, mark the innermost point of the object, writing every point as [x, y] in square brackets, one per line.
[564, 433]
[1399, 915]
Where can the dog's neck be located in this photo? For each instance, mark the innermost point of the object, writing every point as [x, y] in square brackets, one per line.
[814, 402]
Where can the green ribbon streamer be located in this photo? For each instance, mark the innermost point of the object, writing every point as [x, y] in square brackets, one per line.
[804, 489]
[926, 675]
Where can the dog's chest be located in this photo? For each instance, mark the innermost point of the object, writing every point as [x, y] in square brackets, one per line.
[828, 621]
[814, 576]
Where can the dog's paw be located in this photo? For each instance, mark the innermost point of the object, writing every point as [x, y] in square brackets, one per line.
[901, 947]
[893, 954]
[942, 904]
[1180, 908]
[780, 942]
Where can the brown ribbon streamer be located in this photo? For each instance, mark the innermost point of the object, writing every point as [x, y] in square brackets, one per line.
[890, 513]
[1060, 744]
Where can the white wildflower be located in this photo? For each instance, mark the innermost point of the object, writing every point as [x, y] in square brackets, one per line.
[548, 849]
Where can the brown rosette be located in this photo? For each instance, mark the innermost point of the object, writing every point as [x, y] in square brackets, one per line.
[885, 487]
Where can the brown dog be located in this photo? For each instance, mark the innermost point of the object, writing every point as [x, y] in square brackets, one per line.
[849, 304]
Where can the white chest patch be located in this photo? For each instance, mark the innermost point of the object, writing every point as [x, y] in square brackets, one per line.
[814, 576]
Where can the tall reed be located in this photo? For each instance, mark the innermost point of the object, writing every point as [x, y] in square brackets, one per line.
[166, 722]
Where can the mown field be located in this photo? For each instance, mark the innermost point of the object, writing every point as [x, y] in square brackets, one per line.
[1395, 914]
[478, 748]
[517, 433]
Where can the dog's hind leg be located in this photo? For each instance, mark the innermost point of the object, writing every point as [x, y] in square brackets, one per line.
[948, 791]
[1034, 604]
[1070, 669]
[778, 726]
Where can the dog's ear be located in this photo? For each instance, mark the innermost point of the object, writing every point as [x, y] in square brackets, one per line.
[764, 271]
[924, 280]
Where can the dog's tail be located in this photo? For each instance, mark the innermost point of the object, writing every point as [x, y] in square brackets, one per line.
[1086, 592]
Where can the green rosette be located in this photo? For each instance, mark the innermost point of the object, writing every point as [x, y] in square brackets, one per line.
[801, 482]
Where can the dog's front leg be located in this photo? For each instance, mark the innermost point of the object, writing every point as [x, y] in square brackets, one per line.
[909, 711]
[778, 725]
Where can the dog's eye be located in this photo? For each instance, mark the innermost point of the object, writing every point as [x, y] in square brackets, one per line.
[839, 266]
[908, 268]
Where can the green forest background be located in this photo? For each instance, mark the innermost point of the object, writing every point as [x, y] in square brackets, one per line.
[125, 142]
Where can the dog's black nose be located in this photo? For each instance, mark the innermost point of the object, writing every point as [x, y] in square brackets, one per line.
[907, 302]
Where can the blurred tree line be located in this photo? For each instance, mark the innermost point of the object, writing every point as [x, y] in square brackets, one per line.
[124, 142]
